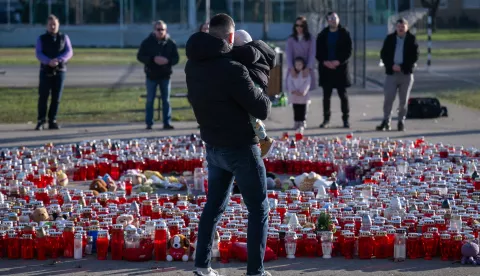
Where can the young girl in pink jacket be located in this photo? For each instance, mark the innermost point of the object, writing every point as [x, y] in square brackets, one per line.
[298, 93]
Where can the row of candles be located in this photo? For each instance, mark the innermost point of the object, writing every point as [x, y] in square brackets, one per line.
[355, 157]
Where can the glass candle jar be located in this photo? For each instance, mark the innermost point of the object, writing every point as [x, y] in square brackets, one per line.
[225, 247]
[102, 245]
[160, 242]
[366, 243]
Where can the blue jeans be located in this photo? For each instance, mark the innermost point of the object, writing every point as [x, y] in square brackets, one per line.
[245, 164]
[53, 85]
[151, 94]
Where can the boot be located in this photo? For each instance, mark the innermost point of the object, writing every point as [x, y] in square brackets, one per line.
[346, 124]
[326, 121]
[384, 126]
[401, 126]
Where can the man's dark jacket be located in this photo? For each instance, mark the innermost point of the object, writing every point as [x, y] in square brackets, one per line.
[259, 58]
[410, 53]
[340, 76]
[152, 47]
[222, 93]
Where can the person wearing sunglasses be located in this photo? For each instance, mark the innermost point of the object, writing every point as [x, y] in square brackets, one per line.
[301, 44]
[158, 52]
[334, 49]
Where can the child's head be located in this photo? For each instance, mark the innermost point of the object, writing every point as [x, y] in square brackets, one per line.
[299, 64]
[241, 38]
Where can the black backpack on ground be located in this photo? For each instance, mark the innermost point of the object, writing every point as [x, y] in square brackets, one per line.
[425, 108]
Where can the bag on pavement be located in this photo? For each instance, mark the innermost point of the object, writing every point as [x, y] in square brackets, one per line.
[424, 108]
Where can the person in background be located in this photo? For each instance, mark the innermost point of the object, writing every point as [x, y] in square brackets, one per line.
[158, 52]
[53, 49]
[399, 54]
[204, 27]
[298, 94]
[334, 49]
[301, 44]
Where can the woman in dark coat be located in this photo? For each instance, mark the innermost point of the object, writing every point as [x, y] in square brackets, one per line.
[334, 48]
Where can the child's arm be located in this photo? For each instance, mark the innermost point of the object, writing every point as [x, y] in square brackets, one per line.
[291, 85]
[305, 85]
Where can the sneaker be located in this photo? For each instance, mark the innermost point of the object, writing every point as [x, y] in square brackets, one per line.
[39, 126]
[266, 146]
[168, 127]
[384, 126]
[206, 272]
[346, 124]
[53, 125]
[325, 124]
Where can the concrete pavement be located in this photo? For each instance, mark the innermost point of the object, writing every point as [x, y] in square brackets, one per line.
[461, 127]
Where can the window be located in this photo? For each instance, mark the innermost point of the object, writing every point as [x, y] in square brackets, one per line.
[471, 4]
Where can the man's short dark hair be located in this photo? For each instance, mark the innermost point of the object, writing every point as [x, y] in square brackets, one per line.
[52, 17]
[221, 25]
[402, 21]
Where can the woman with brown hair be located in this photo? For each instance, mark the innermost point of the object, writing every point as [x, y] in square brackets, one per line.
[301, 44]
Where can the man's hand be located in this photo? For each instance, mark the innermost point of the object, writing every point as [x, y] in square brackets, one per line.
[160, 60]
[306, 72]
[53, 63]
[396, 68]
[335, 63]
[293, 72]
[328, 64]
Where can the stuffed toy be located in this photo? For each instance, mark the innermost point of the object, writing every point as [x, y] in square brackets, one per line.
[40, 215]
[125, 220]
[471, 253]
[145, 187]
[150, 174]
[62, 178]
[111, 185]
[178, 248]
[135, 175]
[98, 186]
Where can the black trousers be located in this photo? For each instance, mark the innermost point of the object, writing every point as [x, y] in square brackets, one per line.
[50, 85]
[327, 95]
[299, 112]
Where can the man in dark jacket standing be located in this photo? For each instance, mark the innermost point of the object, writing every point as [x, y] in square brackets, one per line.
[53, 50]
[399, 55]
[158, 52]
[223, 95]
[334, 49]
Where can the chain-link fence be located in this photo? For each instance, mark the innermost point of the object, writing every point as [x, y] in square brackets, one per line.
[353, 15]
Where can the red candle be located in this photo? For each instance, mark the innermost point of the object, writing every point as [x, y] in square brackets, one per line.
[311, 244]
[146, 209]
[381, 245]
[102, 245]
[117, 242]
[68, 241]
[456, 247]
[366, 243]
[225, 247]
[28, 247]
[273, 241]
[3, 244]
[160, 242]
[13, 249]
[412, 246]
[445, 247]
[128, 185]
[348, 245]
[173, 228]
[428, 245]
[42, 245]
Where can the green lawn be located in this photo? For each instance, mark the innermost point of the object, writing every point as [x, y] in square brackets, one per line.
[83, 56]
[468, 98]
[467, 53]
[88, 105]
[451, 35]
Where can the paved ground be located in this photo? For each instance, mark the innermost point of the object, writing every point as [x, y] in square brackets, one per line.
[462, 127]
[301, 266]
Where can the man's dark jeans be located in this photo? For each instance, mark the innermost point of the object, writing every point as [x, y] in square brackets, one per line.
[245, 165]
[49, 84]
[165, 86]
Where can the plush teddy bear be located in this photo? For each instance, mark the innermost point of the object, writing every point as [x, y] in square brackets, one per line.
[98, 186]
[111, 185]
[471, 253]
[40, 215]
[62, 178]
[125, 220]
[145, 187]
[178, 248]
[136, 176]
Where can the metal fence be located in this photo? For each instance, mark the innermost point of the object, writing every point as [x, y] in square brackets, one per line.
[109, 12]
[353, 15]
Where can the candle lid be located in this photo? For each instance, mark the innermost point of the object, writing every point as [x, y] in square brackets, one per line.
[381, 233]
[445, 236]
[428, 235]
[273, 235]
[365, 234]
[349, 235]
